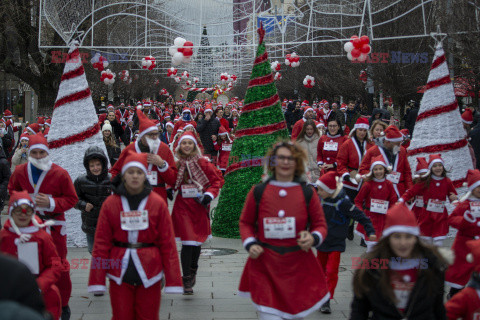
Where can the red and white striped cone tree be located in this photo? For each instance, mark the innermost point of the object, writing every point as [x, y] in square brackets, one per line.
[74, 129]
[439, 128]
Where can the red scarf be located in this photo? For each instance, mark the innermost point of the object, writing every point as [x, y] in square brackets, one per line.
[194, 170]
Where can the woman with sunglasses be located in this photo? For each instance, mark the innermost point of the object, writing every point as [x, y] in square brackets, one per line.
[328, 146]
[281, 221]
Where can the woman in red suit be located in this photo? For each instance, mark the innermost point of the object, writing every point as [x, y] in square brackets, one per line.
[328, 146]
[197, 184]
[282, 276]
[22, 236]
[134, 245]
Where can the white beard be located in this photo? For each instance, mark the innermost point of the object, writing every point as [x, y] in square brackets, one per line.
[43, 164]
[152, 144]
[396, 150]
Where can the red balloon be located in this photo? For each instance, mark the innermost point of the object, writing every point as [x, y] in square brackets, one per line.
[365, 49]
[181, 49]
[354, 37]
[365, 40]
[357, 43]
[187, 52]
[356, 52]
[188, 44]
[288, 56]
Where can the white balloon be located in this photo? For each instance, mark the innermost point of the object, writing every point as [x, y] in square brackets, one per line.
[179, 42]
[349, 56]
[348, 46]
[172, 50]
[287, 62]
[362, 57]
[177, 58]
[305, 81]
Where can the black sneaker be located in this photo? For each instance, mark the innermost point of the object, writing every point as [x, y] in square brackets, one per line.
[350, 231]
[325, 308]
[66, 313]
[187, 285]
[362, 243]
[98, 294]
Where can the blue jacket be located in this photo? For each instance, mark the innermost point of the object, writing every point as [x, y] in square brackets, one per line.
[338, 212]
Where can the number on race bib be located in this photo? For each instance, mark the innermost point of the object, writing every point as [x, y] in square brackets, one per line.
[378, 206]
[134, 220]
[189, 191]
[394, 177]
[330, 146]
[227, 147]
[279, 228]
[152, 177]
[435, 205]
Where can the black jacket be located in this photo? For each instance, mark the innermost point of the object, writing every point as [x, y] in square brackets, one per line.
[5, 174]
[292, 116]
[113, 154]
[92, 189]
[423, 304]
[338, 212]
[411, 119]
[206, 129]
[127, 133]
[474, 136]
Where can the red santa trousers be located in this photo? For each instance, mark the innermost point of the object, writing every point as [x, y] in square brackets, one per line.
[64, 284]
[53, 302]
[330, 262]
[135, 302]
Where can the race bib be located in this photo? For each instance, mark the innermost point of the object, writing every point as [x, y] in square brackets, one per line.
[227, 147]
[330, 146]
[419, 201]
[152, 177]
[28, 255]
[394, 177]
[190, 191]
[435, 205]
[378, 206]
[476, 315]
[279, 228]
[475, 208]
[134, 220]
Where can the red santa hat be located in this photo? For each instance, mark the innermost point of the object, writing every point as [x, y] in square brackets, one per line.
[330, 183]
[191, 136]
[176, 119]
[362, 123]
[321, 103]
[48, 122]
[343, 107]
[41, 121]
[34, 128]
[320, 124]
[145, 125]
[24, 136]
[137, 160]
[169, 124]
[234, 110]
[400, 219]
[392, 134]
[422, 168]
[474, 255]
[188, 125]
[405, 132]
[467, 116]
[7, 113]
[434, 158]
[110, 106]
[308, 108]
[378, 160]
[473, 181]
[223, 132]
[38, 141]
[185, 109]
[147, 103]
[208, 109]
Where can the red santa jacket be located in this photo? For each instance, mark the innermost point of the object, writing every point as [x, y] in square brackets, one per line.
[181, 123]
[464, 305]
[123, 116]
[349, 158]
[375, 189]
[224, 146]
[152, 263]
[327, 149]
[56, 183]
[400, 165]
[439, 189]
[323, 114]
[297, 128]
[48, 259]
[166, 176]
[466, 227]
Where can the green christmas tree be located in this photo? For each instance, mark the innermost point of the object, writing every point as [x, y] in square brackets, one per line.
[261, 124]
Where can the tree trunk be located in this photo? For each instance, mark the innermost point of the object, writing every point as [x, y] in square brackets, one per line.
[47, 95]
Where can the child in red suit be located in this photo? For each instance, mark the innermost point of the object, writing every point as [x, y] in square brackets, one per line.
[466, 304]
[435, 189]
[375, 197]
[224, 145]
[23, 237]
[465, 218]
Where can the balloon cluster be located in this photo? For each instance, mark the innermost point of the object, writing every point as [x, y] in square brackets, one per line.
[358, 48]
[124, 75]
[107, 77]
[178, 79]
[172, 72]
[148, 63]
[188, 83]
[185, 75]
[181, 51]
[275, 66]
[196, 79]
[363, 76]
[164, 92]
[292, 60]
[278, 76]
[225, 77]
[309, 81]
[157, 82]
[99, 62]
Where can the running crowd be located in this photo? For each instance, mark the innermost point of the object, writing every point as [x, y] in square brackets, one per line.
[340, 167]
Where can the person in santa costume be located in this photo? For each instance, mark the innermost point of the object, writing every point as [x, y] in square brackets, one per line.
[22, 236]
[234, 118]
[161, 165]
[53, 193]
[435, 189]
[467, 119]
[32, 129]
[223, 146]
[186, 119]
[465, 305]
[124, 115]
[308, 139]
[134, 245]
[282, 276]
[338, 209]
[401, 278]
[349, 157]
[197, 184]
[20, 155]
[328, 146]
[465, 218]
[421, 172]
[394, 155]
[375, 197]
[308, 114]
[324, 111]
